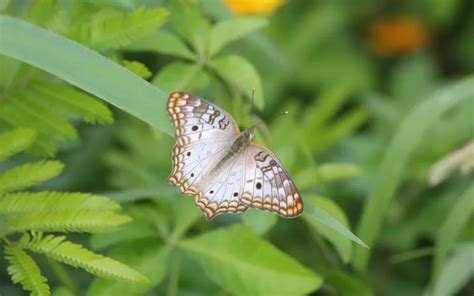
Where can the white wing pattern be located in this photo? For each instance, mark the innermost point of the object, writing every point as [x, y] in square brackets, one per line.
[225, 181]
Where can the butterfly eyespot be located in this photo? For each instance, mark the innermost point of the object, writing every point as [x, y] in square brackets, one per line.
[236, 193]
[211, 192]
[189, 153]
[195, 128]
[192, 175]
[259, 185]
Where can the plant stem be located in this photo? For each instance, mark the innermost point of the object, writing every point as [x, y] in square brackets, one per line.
[173, 281]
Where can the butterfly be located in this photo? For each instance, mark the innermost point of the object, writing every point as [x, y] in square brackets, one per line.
[221, 166]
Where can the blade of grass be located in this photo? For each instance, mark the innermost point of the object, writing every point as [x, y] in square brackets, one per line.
[457, 217]
[85, 69]
[402, 145]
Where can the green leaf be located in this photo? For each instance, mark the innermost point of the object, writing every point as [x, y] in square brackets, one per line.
[240, 73]
[24, 270]
[344, 126]
[336, 171]
[346, 285]
[244, 264]
[150, 259]
[188, 21]
[58, 248]
[342, 244]
[456, 272]
[456, 219]
[71, 102]
[15, 141]
[137, 68]
[163, 42]
[328, 172]
[130, 232]
[47, 201]
[315, 215]
[260, 222]
[227, 31]
[85, 69]
[181, 76]
[112, 30]
[185, 214]
[25, 111]
[401, 147]
[66, 221]
[30, 174]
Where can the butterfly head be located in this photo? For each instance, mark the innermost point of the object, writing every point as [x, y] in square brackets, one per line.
[250, 133]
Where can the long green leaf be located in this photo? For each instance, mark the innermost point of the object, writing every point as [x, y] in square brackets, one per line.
[456, 272]
[244, 264]
[15, 141]
[400, 148]
[315, 214]
[58, 248]
[342, 244]
[457, 217]
[47, 201]
[71, 221]
[85, 69]
[29, 174]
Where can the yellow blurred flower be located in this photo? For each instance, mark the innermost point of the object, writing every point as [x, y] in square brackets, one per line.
[246, 7]
[398, 35]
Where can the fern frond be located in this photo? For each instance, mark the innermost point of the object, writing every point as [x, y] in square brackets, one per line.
[47, 201]
[24, 270]
[27, 175]
[23, 111]
[112, 30]
[66, 221]
[43, 146]
[137, 68]
[15, 141]
[71, 102]
[57, 248]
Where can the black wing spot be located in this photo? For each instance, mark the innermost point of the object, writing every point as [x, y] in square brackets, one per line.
[259, 185]
[236, 193]
[211, 192]
[195, 128]
[189, 153]
[192, 175]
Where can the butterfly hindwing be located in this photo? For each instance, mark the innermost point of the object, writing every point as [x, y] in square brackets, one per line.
[223, 192]
[267, 185]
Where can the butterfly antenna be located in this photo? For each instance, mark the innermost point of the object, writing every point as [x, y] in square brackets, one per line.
[281, 114]
[251, 106]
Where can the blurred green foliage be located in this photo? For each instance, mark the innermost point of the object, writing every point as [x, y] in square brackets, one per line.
[363, 130]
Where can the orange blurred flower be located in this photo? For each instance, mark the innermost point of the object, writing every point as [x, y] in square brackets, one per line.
[398, 35]
[246, 7]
